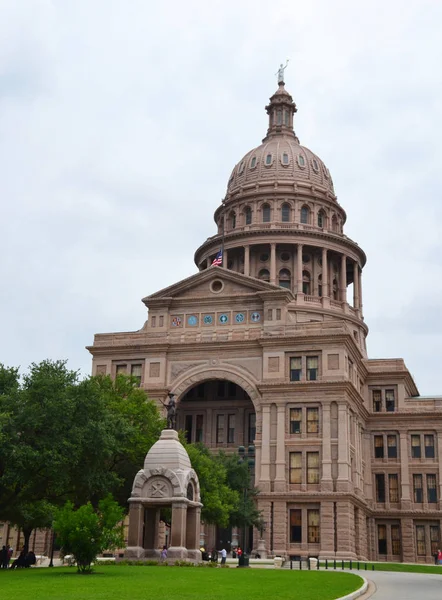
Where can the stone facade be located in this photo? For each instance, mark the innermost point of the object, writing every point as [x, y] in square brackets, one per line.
[269, 349]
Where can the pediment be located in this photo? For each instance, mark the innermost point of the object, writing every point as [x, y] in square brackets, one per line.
[214, 282]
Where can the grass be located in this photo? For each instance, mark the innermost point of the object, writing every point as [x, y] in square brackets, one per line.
[174, 583]
[381, 566]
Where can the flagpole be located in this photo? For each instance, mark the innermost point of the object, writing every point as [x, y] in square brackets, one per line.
[222, 244]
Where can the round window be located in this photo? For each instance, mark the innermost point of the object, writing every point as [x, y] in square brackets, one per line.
[305, 258]
[285, 256]
[264, 257]
[216, 286]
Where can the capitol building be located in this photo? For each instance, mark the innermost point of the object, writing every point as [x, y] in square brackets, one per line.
[267, 350]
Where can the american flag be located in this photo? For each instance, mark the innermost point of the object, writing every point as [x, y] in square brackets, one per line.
[218, 260]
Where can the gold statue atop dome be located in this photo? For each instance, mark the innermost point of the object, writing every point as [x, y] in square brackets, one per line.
[280, 72]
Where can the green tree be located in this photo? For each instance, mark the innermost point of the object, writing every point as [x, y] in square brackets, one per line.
[86, 532]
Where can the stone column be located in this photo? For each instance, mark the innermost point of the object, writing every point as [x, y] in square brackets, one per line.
[280, 482]
[360, 290]
[326, 480]
[355, 285]
[273, 264]
[325, 291]
[208, 262]
[408, 540]
[225, 259]
[135, 547]
[405, 474]
[265, 449]
[343, 449]
[177, 548]
[193, 533]
[246, 260]
[327, 530]
[280, 537]
[299, 268]
[345, 530]
[343, 284]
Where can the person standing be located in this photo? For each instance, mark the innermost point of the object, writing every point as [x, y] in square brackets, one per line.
[4, 558]
[164, 553]
[223, 556]
[439, 556]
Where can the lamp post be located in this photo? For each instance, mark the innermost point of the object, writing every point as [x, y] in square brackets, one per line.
[247, 457]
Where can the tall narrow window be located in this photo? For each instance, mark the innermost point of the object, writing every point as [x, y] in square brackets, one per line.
[286, 118]
[431, 489]
[418, 495]
[248, 213]
[377, 400]
[420, 540]
[312, 420]
[296, 526]
[268, 159]
[380, 487]
[188, 428]
[393, 487]
[379, 446]
[220, 429]
[392, 446]
[305, 213]
[434, 538]
[285, 279]
[135, 371]
[266, 213]
[285, 213]
[232, 220]
[389, 401]
[279, 117]
[321, 218]
[285, 159]
[416, 446]
[295, 420]
[396, 540]
[199, 428]
[313, 526]
[312, 368]
[295, 475]
[382, 539]
[252, 428]
[231, 429]
[253, 163]
[429, 446]
[295, 368]
[312, 467]
[306, 284]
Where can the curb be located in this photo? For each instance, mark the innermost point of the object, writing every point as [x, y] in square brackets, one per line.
[357, 593]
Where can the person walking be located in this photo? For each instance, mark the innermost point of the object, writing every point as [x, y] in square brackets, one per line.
[164, 553]
[223, 556]
[439, 556]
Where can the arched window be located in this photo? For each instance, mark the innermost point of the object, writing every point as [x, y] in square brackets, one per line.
[253, 163]
[248, 214]
[268, 159]
[285, 158]
[321, 219]
[232, 220]
[285, 213]
[306, 284]
[301, 160]
[285, 278]
[334, 223]
[264, 275]
[305, 214]
[266, 213]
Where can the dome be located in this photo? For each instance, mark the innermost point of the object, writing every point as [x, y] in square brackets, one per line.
[280, 158]
[167, 452]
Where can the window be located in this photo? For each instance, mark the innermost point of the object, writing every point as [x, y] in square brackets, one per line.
[305, 213]
[266, 213]
[380, 487]
[312, 467]
[434, 538]
[391, 446]
[121, 370]
[393, 487]
[199, 428]
[220, 429]
[264, 275]
[420, 540]
[279, 117]
[221, 389]
[248, 215]
[295, 526]
[389, 400]
[417, 489]
[285, 279]
[396, 539]
[252, 428]
[295, 420]
[429, 446]
[230, 429]
[295, 474]
[321, 218]
[312, 420]
[232, 389]
[382, 539]
[188, 428]
[268, 159]
[286, 118]
[285, 159]
[315, 165]
[306, 285]
[379, 446]
[233, 220]
[301, 160]
[295, 368]
[312, 368]
[135, 371]
[253, 163]
[313, 526]
[285, 213]
[200, 390]
[415, 446]
[431, 489]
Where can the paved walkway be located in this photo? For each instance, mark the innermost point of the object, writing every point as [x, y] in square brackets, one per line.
[405, 586]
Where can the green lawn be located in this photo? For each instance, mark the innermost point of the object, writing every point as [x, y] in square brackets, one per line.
[381, 566]
[170, 583]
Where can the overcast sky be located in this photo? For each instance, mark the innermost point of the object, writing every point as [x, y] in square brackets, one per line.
[121, 120]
